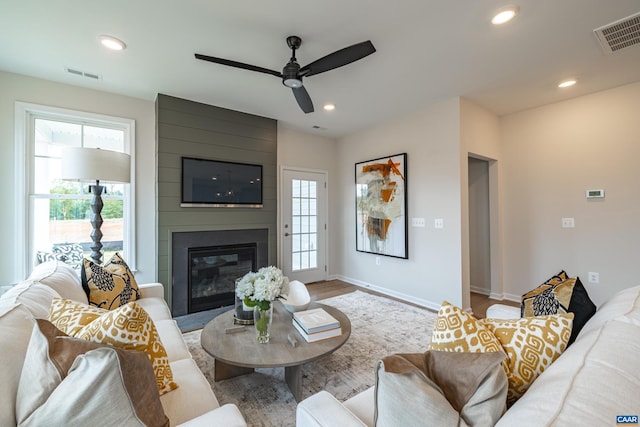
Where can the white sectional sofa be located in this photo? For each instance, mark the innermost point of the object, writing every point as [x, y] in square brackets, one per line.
[593, 382]
[191, 404]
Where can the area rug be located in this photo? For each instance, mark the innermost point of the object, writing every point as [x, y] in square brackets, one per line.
[379, 327]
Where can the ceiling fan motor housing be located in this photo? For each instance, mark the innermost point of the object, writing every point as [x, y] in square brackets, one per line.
[290, 77]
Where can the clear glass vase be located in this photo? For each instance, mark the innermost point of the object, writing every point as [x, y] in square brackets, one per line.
[243, 315]
[262, 320]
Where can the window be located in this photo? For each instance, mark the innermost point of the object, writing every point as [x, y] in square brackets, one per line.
[304, 227]
[59, 211]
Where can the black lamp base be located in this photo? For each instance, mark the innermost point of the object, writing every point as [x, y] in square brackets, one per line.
[96, 222]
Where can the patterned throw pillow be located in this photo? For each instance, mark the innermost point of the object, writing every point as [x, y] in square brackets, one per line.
[541, 299]
[557, 295]
[531, 344]
[42, 257]
[109, 286]
[71, 316]
[128, 327]
[457, 330]
[72, 251]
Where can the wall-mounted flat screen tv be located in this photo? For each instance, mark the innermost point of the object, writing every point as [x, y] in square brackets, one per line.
[214, 183]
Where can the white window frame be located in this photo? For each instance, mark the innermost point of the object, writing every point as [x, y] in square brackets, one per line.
[25, 113]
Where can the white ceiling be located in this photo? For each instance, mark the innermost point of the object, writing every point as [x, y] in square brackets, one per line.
[427, 50]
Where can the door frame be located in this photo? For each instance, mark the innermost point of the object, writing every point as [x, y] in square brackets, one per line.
[280, 219]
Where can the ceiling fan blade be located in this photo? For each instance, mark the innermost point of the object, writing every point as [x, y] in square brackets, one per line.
[238, 65]
[338, 58]
[303, 98]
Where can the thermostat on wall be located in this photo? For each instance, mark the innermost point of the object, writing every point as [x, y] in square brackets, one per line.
[595, 194]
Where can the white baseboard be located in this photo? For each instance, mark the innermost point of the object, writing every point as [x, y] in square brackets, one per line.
[503, 296]
[481, 291]
[408, 298]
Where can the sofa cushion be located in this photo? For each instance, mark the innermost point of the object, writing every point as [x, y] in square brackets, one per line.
[16, 324]
[532, 344]
[61, 278]
[194, 396]
[67, 379]
[34, 296]
[625, 303]
[441, 387]
[128, 327]
[560, 296]
[110, 286]
[594, 381]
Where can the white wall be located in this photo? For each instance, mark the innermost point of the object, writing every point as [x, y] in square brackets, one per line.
[431, 139]
[552, 155]
[14, 88]
[309, 151]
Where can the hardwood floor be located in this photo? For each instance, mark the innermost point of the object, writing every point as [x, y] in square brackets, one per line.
[332, 288]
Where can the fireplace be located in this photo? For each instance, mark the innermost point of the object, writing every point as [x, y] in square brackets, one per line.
[205, 265]
[213, 272]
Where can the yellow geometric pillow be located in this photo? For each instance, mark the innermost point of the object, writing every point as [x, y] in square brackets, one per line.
[128, 327]
[456, 330]
[109, 286]
[531, 344]
[70, 316]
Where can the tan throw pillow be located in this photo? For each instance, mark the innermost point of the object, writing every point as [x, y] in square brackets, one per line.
[65, 380]
[109, 286]
[128, 327]
[444, 388]
[531, 344]
[71, 316]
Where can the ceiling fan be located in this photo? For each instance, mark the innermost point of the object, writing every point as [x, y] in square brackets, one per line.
[292, 73]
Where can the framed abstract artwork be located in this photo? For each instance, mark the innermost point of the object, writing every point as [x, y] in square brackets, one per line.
[381, 206]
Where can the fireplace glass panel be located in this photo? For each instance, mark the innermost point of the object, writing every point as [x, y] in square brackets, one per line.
[213, 272]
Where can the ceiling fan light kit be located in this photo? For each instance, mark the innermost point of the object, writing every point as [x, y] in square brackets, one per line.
[292, 73]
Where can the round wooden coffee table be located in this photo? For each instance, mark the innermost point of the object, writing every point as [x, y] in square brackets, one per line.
[239, 353]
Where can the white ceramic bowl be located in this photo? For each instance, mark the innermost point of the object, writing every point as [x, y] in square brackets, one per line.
[298, 298]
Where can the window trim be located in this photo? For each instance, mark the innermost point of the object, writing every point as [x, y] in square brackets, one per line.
[24, 114]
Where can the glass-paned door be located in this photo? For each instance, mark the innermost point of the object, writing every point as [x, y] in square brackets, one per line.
[304, 225]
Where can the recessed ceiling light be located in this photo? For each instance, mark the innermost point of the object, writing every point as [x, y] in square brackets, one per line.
[329, 107]
[567, 83]
[505, 14]
[112, 43]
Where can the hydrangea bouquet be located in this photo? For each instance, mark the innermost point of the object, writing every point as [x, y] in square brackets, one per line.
[261, 287]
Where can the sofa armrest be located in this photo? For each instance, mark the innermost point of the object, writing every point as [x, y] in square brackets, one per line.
[151, 290]
[502, 311]
[226, 415]
[322, 409]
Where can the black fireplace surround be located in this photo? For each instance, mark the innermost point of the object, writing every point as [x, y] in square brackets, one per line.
[205, 265]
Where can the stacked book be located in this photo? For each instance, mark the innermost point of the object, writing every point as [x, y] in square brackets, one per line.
[316, 324]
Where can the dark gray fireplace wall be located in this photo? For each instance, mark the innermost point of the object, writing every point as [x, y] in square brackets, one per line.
[192, 129]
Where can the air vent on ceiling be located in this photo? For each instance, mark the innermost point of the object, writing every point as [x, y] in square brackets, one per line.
[620, 34]
[93, 76]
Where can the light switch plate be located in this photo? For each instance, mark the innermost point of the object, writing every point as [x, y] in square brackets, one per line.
[417, 222]
[568, 223]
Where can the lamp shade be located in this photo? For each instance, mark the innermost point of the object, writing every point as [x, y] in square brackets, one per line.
[95, 164]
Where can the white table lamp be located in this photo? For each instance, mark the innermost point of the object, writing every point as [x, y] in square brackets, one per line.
[89, 164]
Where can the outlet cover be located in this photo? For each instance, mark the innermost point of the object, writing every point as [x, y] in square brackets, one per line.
[438, 223]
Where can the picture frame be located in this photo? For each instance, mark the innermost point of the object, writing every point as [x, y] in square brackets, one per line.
[381, 206]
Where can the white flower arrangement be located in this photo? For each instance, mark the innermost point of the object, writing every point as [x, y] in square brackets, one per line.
[261, 287]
